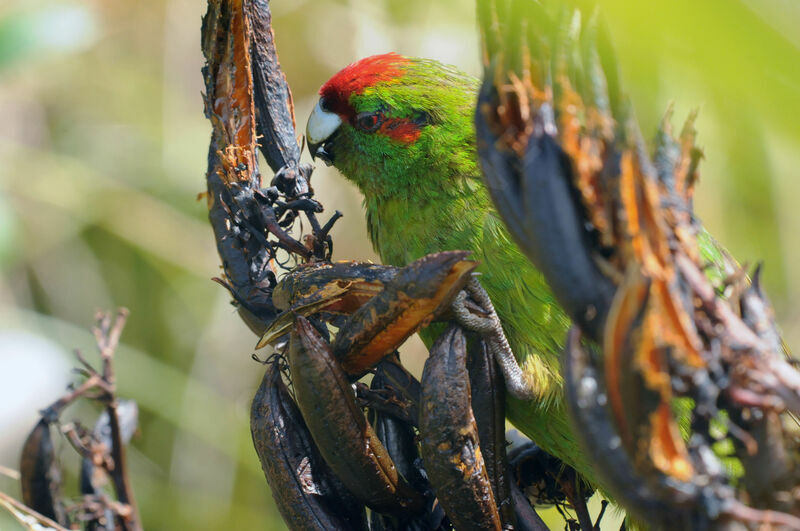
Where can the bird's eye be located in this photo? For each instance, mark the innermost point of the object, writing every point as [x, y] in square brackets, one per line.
[369, 121]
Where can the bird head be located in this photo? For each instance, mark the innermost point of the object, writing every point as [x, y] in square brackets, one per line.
[387, 120]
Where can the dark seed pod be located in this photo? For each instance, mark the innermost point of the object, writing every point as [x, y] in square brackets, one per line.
[488, 406]
[341, 432]
[305, 491]
[660, 501]
[527, 518]
[395, 434]
[449, 437]
[535, 198]
[40, 477]
[90, 476]
[349, 283]
[420, 292]
[333, 290]
[394, 391]
[398, 436]
[393, 373]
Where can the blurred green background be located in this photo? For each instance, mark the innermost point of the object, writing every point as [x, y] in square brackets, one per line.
[102, 153]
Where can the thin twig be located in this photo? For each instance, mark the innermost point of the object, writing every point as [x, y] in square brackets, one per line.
[107, 336]
[20, 511]
[119, 474]
[743, 513]
[603, 506]
[88, 369]
[70, 431]
[737, 329]
[52, 411]
[9, 472]
[571, 488]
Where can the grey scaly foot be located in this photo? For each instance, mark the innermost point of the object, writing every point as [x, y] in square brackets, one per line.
[492, 331]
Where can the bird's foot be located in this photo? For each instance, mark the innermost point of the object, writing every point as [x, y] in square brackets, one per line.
[492, 331]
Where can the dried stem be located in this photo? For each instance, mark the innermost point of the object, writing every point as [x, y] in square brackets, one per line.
[107, 334]
[742, 513]
[20, 510]
[74, 438]
[9, 472]
[250, 107]
[93, 382]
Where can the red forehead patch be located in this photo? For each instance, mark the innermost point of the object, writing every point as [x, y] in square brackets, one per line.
[401, 130]
[356, 77]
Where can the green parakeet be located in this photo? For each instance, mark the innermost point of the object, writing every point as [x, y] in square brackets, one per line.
[402, 130]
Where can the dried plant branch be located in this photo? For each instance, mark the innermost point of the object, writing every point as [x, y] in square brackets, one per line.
[250, 107]
[110, 453]
[9, 472]
[610, 224]
[107, 334]
[273, 99]
[27, 516]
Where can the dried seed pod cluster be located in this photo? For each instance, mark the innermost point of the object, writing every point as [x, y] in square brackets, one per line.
[310, 496]
[677, 335]
[418, 455]
[324, 458]
[250, 108]
[668, 340]
[102, 450]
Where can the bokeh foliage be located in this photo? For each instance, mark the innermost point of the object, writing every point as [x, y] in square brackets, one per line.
[102, 154]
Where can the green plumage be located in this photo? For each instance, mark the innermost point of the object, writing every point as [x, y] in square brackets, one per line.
[428, 196]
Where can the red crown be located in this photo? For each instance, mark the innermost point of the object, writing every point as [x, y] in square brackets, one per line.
[356, 77]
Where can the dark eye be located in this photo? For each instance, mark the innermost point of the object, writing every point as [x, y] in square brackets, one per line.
[369, 121]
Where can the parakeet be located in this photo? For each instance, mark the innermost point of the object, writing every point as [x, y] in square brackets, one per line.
[402, 130]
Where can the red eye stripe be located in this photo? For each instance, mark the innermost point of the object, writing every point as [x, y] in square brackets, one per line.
[402, 130]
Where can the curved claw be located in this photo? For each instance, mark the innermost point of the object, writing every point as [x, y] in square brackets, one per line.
[492, 331]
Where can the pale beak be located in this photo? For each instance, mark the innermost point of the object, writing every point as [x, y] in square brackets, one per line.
[321, 127]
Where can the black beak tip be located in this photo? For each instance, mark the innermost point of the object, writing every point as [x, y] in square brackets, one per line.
[318, 151]
[312, 149]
